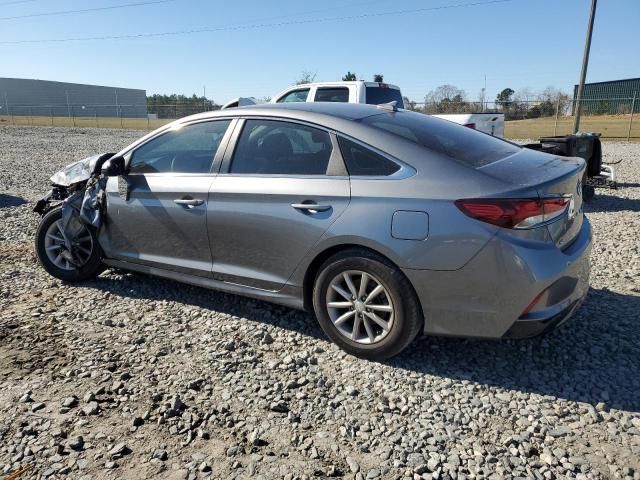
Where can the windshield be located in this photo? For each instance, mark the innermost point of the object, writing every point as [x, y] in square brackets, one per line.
[378, 95]
[466, 145]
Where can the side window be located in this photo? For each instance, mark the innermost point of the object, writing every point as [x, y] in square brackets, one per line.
[274, 147]
[337, 94]
[361, 161]
[295, 96]
[189, 149]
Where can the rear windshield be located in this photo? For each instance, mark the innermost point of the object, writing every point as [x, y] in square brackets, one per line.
[378, 95]
[464, 144]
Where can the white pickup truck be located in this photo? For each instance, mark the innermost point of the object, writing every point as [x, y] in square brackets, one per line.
[374, 93]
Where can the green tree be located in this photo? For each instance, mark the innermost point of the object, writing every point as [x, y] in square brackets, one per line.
[505, 99]
[177, 105]
[349, 77]
[378, 77]
[505, 96]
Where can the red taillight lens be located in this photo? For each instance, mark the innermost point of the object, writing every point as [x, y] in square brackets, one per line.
[513, 212]
[470, 125]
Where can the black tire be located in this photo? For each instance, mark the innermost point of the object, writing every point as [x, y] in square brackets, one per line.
[408, 318]
[91, 268]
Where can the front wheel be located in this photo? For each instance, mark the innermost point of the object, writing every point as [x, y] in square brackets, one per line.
[366, 305]
[81, 263]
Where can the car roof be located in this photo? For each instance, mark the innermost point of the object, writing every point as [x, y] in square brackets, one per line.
[317, 112]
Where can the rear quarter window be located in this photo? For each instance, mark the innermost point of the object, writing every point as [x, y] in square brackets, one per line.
[362, 161]
[468, 146]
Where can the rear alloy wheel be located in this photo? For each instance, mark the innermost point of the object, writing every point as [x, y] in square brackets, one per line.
[360, 307]
[366, 305]
[83, 263]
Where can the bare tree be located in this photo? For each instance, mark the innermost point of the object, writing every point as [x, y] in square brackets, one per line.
[409, 104]
[445, 99]
[522, 103]
[306, 77]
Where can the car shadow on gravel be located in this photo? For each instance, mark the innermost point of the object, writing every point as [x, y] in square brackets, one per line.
[608, 201]
[593, 358]
[11, 201]
[141, 286]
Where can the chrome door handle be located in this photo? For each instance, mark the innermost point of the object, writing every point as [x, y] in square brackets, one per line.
[189, 202]
[311, 207]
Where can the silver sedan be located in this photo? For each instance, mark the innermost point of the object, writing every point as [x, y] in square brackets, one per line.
[385, 223]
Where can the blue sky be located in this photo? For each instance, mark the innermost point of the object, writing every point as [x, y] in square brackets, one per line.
[517, 44]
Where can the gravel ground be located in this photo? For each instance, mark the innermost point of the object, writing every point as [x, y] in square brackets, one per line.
[135, 377]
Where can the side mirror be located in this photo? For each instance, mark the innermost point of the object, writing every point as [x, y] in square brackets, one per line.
[113, 167]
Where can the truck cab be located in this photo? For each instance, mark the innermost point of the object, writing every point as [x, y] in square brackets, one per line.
[359, 91]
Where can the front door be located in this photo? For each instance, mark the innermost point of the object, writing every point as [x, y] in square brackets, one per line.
[282, 188]
[156, 214]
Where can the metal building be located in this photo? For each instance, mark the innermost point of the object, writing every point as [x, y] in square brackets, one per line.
[22, 96]
[612, 97]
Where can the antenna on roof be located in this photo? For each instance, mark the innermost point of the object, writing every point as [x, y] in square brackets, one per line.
[390, 106]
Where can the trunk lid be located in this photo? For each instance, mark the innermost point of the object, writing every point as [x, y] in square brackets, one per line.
[550, 176]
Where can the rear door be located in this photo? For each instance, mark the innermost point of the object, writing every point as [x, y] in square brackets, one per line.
[156, 213]
[278, 191]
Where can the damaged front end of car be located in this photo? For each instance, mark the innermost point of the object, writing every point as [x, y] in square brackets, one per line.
[71, 179]
[79, 190]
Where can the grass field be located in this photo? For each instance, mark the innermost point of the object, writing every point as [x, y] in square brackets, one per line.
[100, 122]
[610, 126]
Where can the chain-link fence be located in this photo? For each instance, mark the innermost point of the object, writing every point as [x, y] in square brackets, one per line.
[102, 116]
[534, 118]
[614, 118]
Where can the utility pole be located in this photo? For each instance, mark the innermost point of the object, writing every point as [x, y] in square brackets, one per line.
[484, 95]
[204, 98]
[585, 63]
[68, 105]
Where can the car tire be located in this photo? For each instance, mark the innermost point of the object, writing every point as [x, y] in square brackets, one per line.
[404, 319]
[90, 269]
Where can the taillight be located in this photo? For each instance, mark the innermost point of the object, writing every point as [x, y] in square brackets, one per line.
[470, 125]
[514, 212]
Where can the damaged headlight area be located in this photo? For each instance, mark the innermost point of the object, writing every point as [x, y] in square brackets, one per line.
[79, 190]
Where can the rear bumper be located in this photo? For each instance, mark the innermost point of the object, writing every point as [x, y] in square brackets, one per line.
[523, 328]
[488, 297]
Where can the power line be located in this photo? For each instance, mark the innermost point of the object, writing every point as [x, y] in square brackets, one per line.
[16, 1]
[85, 10]
[255, 25]
[309, 12]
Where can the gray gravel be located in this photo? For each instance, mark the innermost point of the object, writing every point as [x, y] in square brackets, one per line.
[135, 377]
